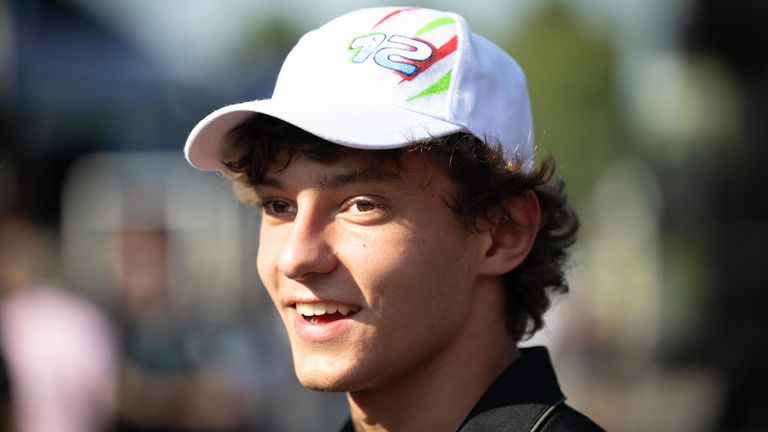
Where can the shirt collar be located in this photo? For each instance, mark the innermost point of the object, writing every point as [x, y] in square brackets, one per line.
[523, 393]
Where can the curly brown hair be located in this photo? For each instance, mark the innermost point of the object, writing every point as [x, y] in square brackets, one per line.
[484, 181]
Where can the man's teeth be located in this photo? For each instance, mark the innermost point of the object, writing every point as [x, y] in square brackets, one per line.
[322, 308]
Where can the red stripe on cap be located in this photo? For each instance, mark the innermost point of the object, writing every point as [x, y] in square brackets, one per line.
[442, 52]
[391, 14]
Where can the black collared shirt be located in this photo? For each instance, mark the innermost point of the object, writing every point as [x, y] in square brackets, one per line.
[525, 397]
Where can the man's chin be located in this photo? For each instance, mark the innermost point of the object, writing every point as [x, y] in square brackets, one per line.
[325, 378]
[326, 389]
[328, 371]
[323, 384]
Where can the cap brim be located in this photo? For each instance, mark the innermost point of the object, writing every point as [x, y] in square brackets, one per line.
[366, 126]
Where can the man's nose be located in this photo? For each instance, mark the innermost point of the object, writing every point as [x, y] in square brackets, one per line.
[308, 249]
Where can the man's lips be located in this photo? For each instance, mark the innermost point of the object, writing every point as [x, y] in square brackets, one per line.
[324, 309]
[321, 321]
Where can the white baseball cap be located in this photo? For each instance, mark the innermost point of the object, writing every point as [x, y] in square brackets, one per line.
[383, 78]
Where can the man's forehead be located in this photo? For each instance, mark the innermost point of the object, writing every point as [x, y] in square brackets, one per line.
[344, 169]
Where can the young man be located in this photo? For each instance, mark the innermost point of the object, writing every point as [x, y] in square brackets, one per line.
[408, 238]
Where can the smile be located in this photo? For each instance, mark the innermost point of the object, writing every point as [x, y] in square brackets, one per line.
[323, 312]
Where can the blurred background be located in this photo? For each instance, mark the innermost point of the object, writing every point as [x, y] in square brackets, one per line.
[129, 299]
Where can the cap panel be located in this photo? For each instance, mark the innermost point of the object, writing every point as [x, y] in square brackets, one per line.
[491, 99]
[397, 56]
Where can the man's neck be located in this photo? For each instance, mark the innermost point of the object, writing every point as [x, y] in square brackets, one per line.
[439, 395]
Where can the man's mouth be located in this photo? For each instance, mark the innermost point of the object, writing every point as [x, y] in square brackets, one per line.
[325, 312]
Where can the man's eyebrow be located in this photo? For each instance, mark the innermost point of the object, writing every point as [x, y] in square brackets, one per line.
[270, 182]
[352, 176]
[358, 175]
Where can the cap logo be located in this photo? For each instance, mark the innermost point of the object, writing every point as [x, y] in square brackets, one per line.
[408, 56]
[402, 54]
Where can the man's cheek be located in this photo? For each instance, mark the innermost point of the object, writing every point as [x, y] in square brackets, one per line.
[261, 266]
[266, 257]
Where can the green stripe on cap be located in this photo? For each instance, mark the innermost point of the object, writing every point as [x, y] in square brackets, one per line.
[434, 24]
[439, 86]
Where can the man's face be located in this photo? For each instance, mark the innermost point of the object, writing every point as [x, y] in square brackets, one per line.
[370, 272]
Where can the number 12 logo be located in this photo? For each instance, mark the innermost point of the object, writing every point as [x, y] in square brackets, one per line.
[400, 53]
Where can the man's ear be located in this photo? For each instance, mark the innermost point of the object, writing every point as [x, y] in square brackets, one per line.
[512, 236]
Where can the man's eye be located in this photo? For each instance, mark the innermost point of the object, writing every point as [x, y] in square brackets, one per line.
[277, 206]
[364, 206]
[365, 210]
